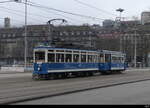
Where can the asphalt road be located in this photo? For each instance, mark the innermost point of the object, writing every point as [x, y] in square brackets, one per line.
[130, 94]
[18, 87]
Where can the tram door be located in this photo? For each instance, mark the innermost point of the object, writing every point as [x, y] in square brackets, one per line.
[108, 61]
[101, 62]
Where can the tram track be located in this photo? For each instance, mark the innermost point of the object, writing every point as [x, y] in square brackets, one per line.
[24, 91]
[75, 91]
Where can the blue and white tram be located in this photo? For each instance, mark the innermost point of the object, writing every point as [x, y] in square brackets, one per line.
[52, 62]
[112, 61]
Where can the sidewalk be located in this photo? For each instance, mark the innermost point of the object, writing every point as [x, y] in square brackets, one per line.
[13, 70]
[138, 69]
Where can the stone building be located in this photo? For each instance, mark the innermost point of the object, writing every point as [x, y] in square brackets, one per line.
[85, 37]
[145, 18]
[142, 37]
[124, 37]
[12, 40]
[108, 39]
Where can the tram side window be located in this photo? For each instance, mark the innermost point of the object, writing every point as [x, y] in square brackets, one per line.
[83, 58]
[114, 59]
[123, 59]
[51, 58]
[119, 60]
[101, 58]
[68, 58]
[39, 56]
[59, 58]
[75, 58]
[95, 59]
[89, 58]
[107, 58]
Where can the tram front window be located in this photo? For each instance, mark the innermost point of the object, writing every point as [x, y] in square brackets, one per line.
[39, 56]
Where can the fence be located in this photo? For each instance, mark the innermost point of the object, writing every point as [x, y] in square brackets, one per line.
[16, 68]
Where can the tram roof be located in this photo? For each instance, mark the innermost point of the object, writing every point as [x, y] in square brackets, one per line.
[52, 48]
[102, 51]
[112, 52]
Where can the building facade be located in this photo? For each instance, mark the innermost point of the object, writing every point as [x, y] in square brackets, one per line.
[138, 38]
[145, 18]
[82, 37]
[12, 40]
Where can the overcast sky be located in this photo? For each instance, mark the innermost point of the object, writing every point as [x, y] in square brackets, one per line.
[106, 9]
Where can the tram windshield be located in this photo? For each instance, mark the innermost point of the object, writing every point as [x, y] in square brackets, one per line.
[39, 56]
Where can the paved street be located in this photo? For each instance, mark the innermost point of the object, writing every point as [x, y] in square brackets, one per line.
[134, 93]
[14, 75]
[16, 87]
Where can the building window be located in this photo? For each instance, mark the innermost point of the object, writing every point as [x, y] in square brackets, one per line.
[65, 33]
[84, 33]
[78, 33]
[72, 33]
[61, 34]
[4, 35]
[43, 33]
[35, 34]
[9, 35]
[90, 32]
[13, 35]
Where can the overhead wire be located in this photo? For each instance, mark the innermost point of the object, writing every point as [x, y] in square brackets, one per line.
[20, 15]
[42, 16]
[106, 12]
[5, 1]
[66, 12]
[31, 14]
[71, 20]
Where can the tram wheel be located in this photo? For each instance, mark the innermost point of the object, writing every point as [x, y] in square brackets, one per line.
[91, 73]
[64, 75]
[36, 77]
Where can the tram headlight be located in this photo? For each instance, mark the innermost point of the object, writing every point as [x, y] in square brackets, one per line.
[39, 68]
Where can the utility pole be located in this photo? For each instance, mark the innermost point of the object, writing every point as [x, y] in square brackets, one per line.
[135, 42]
[25, 34]
[50, 32]
[135, 47]
[25, 38]
[120, 10]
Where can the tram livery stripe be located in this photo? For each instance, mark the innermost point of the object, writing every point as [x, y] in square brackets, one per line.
[73, 70]
[117, 68]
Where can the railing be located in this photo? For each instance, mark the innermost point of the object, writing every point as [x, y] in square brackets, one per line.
[16, 68]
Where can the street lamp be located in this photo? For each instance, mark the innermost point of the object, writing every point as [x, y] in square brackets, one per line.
[120, 10]
[135, 47]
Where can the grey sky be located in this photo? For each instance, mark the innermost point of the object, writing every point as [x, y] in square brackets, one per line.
[41, 16]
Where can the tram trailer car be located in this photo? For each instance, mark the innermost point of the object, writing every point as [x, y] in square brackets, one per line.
[50, 63]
